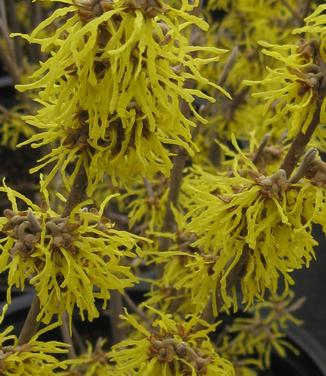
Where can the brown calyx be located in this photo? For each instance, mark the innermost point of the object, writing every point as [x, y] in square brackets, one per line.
[273, 185]
[26, 229]
[308, 49]
[268, 155]
[90, 9]
[313, 76]
[150, 8]
[316, 173]
[167, 349]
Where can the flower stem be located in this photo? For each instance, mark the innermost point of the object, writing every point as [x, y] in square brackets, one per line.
[116, 309]
[31, 324]
[77, 191]
[299, 143]
[133, 306]
[179, 163]
[64, 328]
[307, 161]
[256, 158]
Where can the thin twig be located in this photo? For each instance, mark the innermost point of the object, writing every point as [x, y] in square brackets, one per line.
[16, 27]
[179, 160]
[228, 65]
[116, 309]
[214, 151]
[300, 142]
[35, 50]
[78, 339]
[306, 8]
[3, 109]
[64, 329]
[4, 24]
[261, 149]
[31, 324]
[179, 163]
[8, 51]
[77, 191]
[122, 218]
[133, 306]
[307, 161]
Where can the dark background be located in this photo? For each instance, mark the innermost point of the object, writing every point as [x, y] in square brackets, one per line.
[311, 283]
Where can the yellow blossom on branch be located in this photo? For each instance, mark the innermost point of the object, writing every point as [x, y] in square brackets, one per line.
[114, 83]
[295, 89]
[315, 26]
[34, 358]
[251, 230]
[70, 261]
[171, 348]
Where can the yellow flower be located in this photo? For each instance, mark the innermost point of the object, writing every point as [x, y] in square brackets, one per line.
[295, 89]
[34, 358]
[251, 230]
[70, 261]
[315, 26]
[171, 348]
[112, 88]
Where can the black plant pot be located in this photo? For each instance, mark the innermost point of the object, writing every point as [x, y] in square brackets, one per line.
[310, 362]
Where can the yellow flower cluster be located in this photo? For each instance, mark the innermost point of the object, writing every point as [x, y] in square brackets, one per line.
[70, 261]
[315, 26]
[112, 88]
[171, 348]
[295, 89]
[34, 358]
[251, 230]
